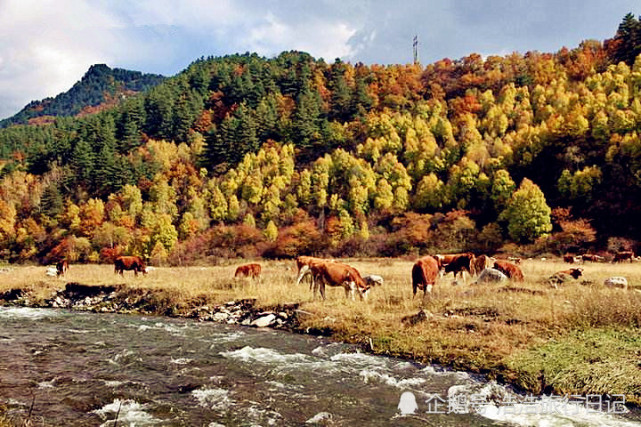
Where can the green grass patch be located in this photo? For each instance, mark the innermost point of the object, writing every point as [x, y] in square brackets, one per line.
[595, 361]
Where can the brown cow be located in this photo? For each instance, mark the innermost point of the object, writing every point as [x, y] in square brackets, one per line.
[574, 272]
[591, 258]
[482, 262]
[444, 260]
[570, 259]
[134, 263]
[304, 263]
[248, 270]
[62, 267]
[424, 273]
[510, 270]
[623, 256]
[337, 274]
[564, 276]
[460, 264]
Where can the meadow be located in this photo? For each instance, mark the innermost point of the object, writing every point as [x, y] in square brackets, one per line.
[581, 338]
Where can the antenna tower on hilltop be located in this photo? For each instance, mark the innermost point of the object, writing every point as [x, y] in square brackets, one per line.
[415, 49]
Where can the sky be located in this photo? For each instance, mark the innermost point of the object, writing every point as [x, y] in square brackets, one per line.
[47, 45]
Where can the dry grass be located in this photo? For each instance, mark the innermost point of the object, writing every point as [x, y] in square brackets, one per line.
[497, 329]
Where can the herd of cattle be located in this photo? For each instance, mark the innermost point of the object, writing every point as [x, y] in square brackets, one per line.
[425, 271]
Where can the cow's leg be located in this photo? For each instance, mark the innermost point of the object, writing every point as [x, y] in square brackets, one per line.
[427, 294]
[304, 269]
[349, 290]
[314, 286]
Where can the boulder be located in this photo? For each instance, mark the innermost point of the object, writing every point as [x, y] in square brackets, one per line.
[616, 282]
[491, 275]
[264, 321]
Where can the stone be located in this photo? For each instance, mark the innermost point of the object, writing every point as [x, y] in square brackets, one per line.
[220, 317]
[264, 321]
[616, 282]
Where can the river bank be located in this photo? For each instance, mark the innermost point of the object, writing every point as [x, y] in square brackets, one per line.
[580, 339]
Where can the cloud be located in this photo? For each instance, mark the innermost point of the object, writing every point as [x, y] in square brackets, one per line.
[47, 45]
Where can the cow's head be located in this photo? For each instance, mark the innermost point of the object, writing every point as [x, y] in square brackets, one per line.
[576, 272]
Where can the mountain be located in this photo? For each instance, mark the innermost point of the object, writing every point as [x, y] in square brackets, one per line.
[100, 87]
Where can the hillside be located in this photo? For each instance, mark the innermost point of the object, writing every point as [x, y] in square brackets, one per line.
[101, 85]
[249, 156]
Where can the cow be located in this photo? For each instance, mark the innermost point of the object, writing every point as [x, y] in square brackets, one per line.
[373, 280]
[570, 259]
[134, 263]
[574, 272]
[490, 275]
[424, 273]
[304, 263]
[591, 258]
[482, 262]
[460, 264]
[62, 267]
[512, 271]
[514, 259]
[248, 270]
[616, 282]
[337, 274]
[623, 256]
[564, 276]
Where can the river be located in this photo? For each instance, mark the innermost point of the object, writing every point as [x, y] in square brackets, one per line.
[62, 367]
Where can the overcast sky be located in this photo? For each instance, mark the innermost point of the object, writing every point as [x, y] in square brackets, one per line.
[47, 45]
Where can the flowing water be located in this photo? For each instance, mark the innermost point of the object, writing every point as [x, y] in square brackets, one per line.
[73, 368]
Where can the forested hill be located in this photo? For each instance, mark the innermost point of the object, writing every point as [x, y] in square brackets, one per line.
[246, 156]
[101, 85]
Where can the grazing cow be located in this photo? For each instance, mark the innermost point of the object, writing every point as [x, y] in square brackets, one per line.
[460, 264]
[134, 263]
[570, 259]
[512, 271]
[337, 274]
[616, 282]
[62, 267]
[373, 280]
[591, 258]
[623, 256]
[482, 262]
[514, 259]
[424, 273]
[248, 270]
[490, 275]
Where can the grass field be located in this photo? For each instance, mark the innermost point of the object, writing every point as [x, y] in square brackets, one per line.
[578, 339]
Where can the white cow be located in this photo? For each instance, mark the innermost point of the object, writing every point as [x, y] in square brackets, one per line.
[373, 280]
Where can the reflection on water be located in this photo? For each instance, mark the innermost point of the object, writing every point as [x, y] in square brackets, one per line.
[88, 369]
